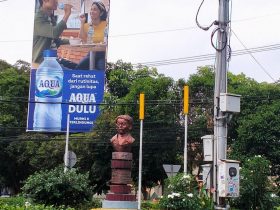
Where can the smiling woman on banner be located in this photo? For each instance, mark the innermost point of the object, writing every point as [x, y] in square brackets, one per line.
[94, 32]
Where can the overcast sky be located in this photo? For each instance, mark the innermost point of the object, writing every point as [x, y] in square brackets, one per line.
[154, 30]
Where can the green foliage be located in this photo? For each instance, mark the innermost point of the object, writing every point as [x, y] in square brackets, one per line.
[149, 205]
[258, 134]
[125, 84]
[54, 187]
[26, 154]
[162, 116]
[22, 65]
[254, 185]
[20, 203]
[4, 65]
[13, 201]
[252, 132]
[253, 96]
[181, 192]
[13, 88]
[93, 203]
[119, 78]
[202, 83]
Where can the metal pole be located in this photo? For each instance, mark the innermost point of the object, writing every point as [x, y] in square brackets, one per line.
[186, 145]
[66, 159]
[220, 127]
[91, 60]
[186, 111]
[140, 166]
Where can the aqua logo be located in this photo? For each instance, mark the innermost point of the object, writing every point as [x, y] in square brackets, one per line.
[51, 84]
[49, 87]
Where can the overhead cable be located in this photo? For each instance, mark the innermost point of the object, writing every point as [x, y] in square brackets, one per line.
[205, 28]
[206, 57]
[250, 53]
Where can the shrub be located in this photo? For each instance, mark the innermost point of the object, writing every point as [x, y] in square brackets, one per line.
[12, 201]
[54, 187]
[254, 185]
[94, 203]
[181, 192]
[20, 203]
[149, 205]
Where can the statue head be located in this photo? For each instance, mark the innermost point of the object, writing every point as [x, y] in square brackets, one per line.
[124, 124]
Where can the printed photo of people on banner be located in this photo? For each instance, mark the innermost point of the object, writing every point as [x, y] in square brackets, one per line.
[70, 42]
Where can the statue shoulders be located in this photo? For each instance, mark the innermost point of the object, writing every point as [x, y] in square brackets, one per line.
[114, 138]
[122, 140]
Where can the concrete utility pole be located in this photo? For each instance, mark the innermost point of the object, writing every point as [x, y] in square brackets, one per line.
[220, 126]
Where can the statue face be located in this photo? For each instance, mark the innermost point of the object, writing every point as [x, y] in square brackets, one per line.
[122, 126]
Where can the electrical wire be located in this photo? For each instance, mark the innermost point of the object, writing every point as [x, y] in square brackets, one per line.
[26, 40]
[153, 32]
[205, 57]
[147, 102]
[229, 51]
[249, 52]
[205, 28]
[158, 31]
[224, 33]
[269, 98]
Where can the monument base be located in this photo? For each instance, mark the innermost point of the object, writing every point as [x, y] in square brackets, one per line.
[119, 204]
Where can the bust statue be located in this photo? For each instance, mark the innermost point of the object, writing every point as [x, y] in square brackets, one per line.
[122, 141]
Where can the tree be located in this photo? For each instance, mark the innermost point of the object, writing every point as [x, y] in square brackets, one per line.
[25, 154]
[4, 65]
[160, 137]
[163, 134]
[258, 134]
[200, 117]
[22, 66]
[119, 78]
[14, 86]
[161, 144]
[254, 130]
[13, 112]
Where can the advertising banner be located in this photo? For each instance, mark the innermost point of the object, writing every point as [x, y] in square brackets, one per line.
[75, 34]
[82, 92]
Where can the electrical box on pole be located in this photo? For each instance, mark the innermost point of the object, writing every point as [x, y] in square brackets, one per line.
[228, 182]
[206, 175]
[207, 147]
[229, 102]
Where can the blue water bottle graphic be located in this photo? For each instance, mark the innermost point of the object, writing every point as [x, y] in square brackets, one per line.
[48, 94]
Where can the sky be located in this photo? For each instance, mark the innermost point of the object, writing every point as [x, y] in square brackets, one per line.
[143, 31]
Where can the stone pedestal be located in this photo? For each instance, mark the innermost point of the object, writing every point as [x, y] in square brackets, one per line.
[120, 196]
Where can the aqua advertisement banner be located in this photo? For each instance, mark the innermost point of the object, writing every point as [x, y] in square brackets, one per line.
[74, 92]
[69, 56]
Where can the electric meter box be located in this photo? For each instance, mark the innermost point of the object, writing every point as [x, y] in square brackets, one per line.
[229, 102]
[206, 175]
[228, 178]
[207, 147]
